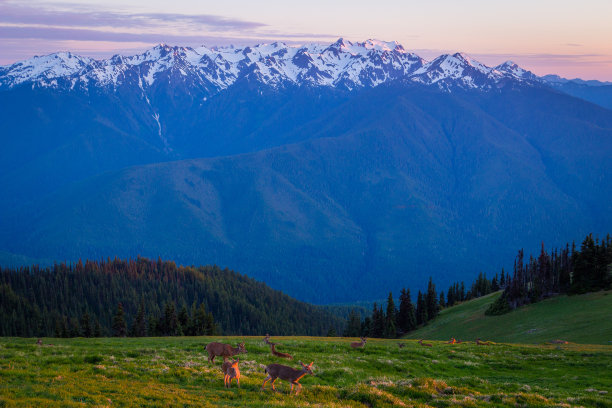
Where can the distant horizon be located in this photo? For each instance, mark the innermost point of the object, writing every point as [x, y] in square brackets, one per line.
[545, 37]
[427, 54]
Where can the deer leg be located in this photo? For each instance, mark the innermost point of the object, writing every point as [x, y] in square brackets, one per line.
[263, 386]
[291, 390]
[299, 388]
[238, 381]
[273, 388]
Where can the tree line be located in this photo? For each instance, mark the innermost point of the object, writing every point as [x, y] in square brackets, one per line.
[393, 322]
[560, 271]
[143, 297]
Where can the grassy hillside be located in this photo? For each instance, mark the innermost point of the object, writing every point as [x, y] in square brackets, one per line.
[174, 372]
[580, 319]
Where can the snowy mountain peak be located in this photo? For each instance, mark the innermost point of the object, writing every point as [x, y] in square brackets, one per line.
[510, 67]
[342, 64]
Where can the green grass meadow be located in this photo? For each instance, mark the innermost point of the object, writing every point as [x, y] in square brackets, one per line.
[585, 319]
[174, 372]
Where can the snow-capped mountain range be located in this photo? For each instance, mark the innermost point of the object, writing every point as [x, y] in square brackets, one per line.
[342, 64]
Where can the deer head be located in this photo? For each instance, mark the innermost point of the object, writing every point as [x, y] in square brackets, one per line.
[307, 367]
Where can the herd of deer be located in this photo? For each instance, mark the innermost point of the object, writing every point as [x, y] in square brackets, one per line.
[275, 371]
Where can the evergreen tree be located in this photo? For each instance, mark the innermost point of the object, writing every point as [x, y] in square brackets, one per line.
[86, 329]
[390, 331]
[366, 327]
[74, 327]
[431, 300]
[406, 318]
[183, 319]
[171, 322]
[353, 326]
[421, 309]
[378, 322]
[97, 330]
[119, 327]
[139, 329]
[442, 302]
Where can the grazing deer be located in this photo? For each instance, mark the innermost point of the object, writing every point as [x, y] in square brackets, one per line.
[215, 349]
[359, 344]
[278, 353]
[401, 345]
[451, 341]
[230, 370]
[425, 344]
[286, 373]
[39, 342]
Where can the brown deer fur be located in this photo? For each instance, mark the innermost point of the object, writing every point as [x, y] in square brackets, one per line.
[425, 344]
[267, 340]
[286, 373]
[231, 370]
[215, 349]
[359, 344]
[278, 353]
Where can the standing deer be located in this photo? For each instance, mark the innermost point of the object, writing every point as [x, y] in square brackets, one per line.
[230, 370]
[286, 373]
[425, 344]
[451, 341]
[278, 353]
[215, 349]
[359, 344]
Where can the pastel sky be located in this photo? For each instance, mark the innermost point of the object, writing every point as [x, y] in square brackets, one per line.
[569, 38]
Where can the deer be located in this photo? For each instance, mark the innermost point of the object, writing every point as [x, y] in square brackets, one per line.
[425, 344]
[401, 345]
[215, 349]
[286, 373]
[278, 353]
[230, 370]
[451, 341]
[359, 344]
[267, 340]
[482, 343]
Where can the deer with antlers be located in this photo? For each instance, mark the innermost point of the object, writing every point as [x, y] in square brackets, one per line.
[359, 344]
[215, 349]
[425, 344]
[276, 371]
[230, 370]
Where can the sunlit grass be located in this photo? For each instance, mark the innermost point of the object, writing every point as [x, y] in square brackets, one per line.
[175, 372]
